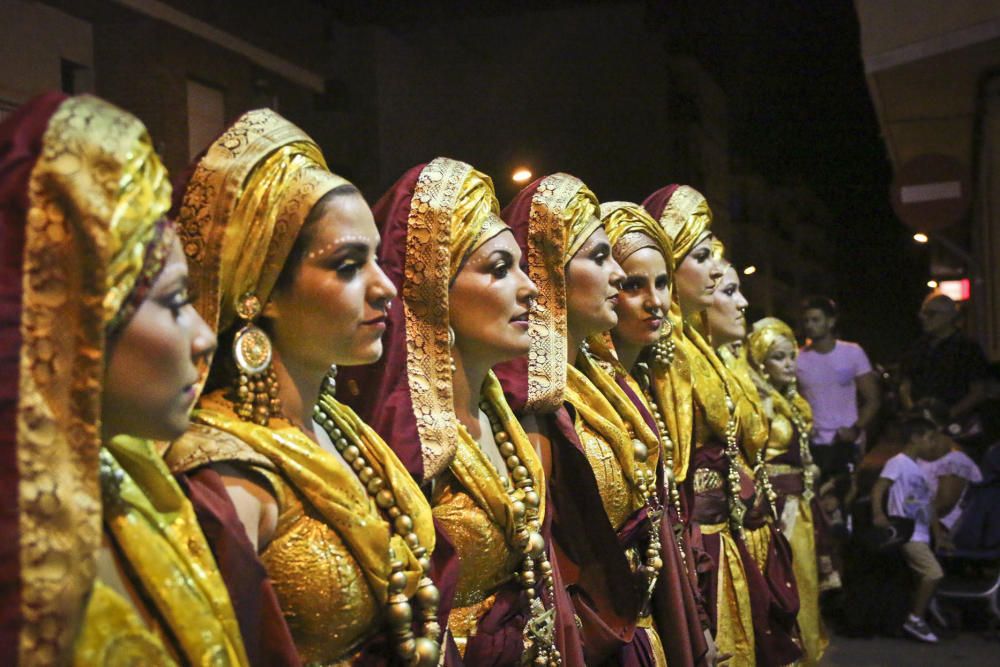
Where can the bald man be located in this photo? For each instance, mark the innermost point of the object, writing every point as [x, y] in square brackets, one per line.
[944, 365]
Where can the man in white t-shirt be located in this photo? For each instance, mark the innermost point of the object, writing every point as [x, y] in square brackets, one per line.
[910, 496]
[832, 374]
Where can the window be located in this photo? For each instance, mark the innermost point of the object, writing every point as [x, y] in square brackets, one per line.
[206, 113]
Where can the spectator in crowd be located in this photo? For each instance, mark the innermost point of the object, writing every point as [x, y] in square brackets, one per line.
[909, 496]
[944, 365]
[832, 374]
[949, 475]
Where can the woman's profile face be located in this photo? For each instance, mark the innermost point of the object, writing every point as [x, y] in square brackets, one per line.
[333, 310]
[696, 277]
[489, 301]
[592, 278]
[151, 371]
[780, 363]
[727, 320]
[643, 298]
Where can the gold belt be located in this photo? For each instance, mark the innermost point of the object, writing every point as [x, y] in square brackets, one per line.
[706, 480]
[783, 469]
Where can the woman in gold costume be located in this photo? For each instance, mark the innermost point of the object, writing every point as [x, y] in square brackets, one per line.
[726, 326]
[464, 308]
[643, 346]
[283, 257]
[107, 565]
[771, 350]
[719, 481]
[595, 469]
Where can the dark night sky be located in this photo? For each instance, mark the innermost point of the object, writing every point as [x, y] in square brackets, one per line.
[800, 111]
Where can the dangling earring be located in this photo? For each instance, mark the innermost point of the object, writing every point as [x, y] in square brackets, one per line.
[663, 349]
[257, 388]
[331, 380]
[451, 346]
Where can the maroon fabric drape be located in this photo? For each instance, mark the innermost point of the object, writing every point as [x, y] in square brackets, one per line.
[380, 392]
[20, 146]
[606, 594]
[774, 598]
[266, 636]
[656, 202]
[513, 374]
[676, 606]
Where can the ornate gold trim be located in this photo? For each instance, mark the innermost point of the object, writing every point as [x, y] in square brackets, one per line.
[425, 307]
[547, 320]
[202, 445]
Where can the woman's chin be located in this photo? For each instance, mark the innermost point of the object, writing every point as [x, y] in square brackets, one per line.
[363, 356]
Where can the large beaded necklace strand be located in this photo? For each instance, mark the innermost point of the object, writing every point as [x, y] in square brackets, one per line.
[417, 651]
[645, 482]
[808, 469]
[737, 510]
[664, 350]
[539, 631]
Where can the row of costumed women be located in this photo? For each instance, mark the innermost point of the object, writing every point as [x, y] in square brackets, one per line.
[427, 432]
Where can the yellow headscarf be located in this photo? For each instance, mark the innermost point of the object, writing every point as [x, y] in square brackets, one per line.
[560, 214]
[475, 219]
[243, 208]
[686, 219]
[766, 332]
[95, 194]
[630, 228]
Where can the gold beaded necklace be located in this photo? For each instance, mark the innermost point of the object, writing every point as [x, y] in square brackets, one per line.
[538, 635]
[419, 651]
[645, 483]
[663, 351]
[808, 472]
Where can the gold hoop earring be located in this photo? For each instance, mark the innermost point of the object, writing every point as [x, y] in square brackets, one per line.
[257, 384]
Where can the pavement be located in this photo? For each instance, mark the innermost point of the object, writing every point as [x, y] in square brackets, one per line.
[968, 649]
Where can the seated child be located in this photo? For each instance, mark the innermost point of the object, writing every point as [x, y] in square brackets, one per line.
[910, 496]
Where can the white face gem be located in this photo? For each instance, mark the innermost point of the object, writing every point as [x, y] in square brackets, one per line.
[326, 249]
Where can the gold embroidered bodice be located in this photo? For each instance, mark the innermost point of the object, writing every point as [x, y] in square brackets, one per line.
[780, 439]
[330, 535]
[485, 560]
[613, 485]
[323, 592]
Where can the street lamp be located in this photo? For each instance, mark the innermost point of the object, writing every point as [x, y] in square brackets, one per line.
[932, 284]
[920, 237]
[521, 175]
[750, 270]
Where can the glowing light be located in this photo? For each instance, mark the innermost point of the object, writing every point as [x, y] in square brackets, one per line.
[932, 284]
[750, 270]
[920, 237]
[521, 175]
[958, 290]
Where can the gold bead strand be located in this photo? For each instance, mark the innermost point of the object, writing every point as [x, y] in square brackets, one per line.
[419, 651]
[538, 634]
